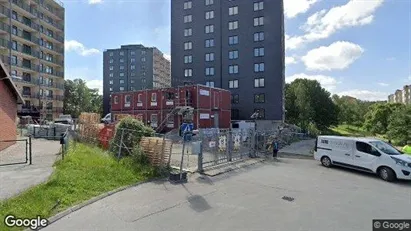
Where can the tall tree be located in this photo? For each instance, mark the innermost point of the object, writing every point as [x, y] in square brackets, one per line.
[399, 125]
[79, 98]
[377, 118]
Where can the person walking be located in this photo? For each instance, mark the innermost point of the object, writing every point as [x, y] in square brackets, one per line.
[275, 148]
[407, 148]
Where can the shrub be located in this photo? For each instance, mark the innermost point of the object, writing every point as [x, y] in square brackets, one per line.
[313, 129]
[132, 131]
[139, 157]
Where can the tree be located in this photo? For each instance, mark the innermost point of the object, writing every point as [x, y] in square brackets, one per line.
[308, 104]
[399, 125]
[79, 98]
[377, 118]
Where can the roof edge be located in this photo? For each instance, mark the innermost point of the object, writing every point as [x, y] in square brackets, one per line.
[7, 78]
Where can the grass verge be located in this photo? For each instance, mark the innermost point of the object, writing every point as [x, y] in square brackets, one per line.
[85, 172]
[348, 130]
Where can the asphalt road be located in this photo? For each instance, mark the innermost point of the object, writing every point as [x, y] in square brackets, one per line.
[251, 199]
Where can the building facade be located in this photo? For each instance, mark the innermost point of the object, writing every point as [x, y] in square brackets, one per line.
[32, 48]
[235, 45]
[131, 68]
[401, 96]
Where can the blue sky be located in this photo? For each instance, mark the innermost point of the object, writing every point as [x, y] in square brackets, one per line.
[360, 48]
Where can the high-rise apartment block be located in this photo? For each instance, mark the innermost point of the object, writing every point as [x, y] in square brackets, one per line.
[32, 47]
[401, 96]
[236, 45]
[133, 67]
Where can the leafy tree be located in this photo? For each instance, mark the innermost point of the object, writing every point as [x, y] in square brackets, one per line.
[377, 118]
[79, 98]
[399, 125]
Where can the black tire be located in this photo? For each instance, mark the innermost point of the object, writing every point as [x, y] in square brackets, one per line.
[387, 174]
[326, 161]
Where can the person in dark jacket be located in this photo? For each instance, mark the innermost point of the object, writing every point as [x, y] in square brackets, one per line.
[275, 147]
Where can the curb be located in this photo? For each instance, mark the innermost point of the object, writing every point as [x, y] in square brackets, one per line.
[74, 208]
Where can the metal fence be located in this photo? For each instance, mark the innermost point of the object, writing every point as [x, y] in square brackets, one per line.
[18, 151]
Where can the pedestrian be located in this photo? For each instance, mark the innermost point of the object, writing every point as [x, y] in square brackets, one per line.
[275, 148]
[407, 148]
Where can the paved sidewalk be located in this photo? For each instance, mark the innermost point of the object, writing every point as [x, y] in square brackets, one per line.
[17, 178]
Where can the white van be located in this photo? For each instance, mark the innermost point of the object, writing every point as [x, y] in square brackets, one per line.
[106, 119]
[364, 154]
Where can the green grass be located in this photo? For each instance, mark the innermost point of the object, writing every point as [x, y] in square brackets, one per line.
[85, 172]
[348, 130]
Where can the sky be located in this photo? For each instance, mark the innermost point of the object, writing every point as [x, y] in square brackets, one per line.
[360, 48]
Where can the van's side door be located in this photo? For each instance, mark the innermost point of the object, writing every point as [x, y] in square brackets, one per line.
[365, 155]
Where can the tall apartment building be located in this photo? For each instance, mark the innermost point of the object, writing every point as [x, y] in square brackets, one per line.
[133, 67]
[401, 96]
[32, 47]
[236, 45]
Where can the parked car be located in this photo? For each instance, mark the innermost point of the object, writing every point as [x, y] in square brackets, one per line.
[364, 154]
[106, 119]
[64, 119]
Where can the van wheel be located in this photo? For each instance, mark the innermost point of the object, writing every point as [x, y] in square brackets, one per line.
[387, 174]
[326, 161]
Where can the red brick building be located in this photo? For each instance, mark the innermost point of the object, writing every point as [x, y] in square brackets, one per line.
[9, 98]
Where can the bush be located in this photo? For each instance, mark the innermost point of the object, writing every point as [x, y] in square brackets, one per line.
[313, 130]
[132, 131]
[139, 157]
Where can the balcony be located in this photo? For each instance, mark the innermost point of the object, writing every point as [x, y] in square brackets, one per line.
[28, 110]
[53, 61]
[4, 27]
[51, 10]
[26, 50]
[4, 43]
[54, 36]
[50, 97]
[28, 23]
[27, 36]
[54, 73]
[54, 24]
[51, 85]
[4, 11]
[25, 79]
[24, 6]
[56, 50]
[27, 66]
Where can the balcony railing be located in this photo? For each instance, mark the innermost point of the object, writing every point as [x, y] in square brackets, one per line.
[28, 51]
[55, 73]
[51, 10]
[30, 24]
[50, 97]
[28, 37]
[56, 37]
[4, 10]
[4, 43]
[54, 60]
[55, 49]
[24, 6]
[28, 66]
[4, 27]
[24, 80]
[52, 85]
[54, 24]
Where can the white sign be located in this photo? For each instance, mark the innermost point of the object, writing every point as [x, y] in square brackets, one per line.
[204, 116]
[169, 103]
[204, 92]
[139, 104]
[211, 144]
[127, 105]
[153, 103]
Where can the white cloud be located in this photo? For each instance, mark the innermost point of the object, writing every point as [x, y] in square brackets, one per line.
[339, 55]
[95, 1]
[167, 56]
[79, 48]
[290, 60]
[384, 84]
[366, 95]
[95, 84]
[391, 59]
[293, 8]
[326, 82]
[323, 24]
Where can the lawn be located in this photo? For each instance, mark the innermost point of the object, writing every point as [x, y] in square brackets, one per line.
[85, 172]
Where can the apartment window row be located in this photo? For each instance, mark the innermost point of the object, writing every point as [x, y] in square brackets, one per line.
[132, 60]
[258, 83]
[132, 53]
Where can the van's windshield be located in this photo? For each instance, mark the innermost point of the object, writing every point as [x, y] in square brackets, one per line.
[386, 148]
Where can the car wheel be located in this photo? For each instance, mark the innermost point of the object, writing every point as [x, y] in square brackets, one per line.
[386, 174]
[326, 161]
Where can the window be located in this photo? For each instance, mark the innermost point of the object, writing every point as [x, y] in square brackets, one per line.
[209, 2]
[111, 60]
[259, 67]
[258, 6]
[259, 98]
[143, 59]
[111, 75]
[111, 82]
[259, 36]
[233, 10]
[132, 81]
[121, 67]
[209, 57]
[209, 43]
[132, 60]
[259, 52]
[364, 147]
[132, 74]
[131, 88]
[188, 18]
[209, 14]
[209, 71]
[259, 82]
[188, 72]
[14, 30]
[111, 68]
[233, 54]
[143, 52]
[232, 40]
[259, 21]
[233, 25]
[121, 60]
[13, 60]
[233, 84]
[153, 97]
[127, 100]
[133, 67]
[121, 53]
[260, 113]
[14, 45]
[233, 69]
[188, 32]
[188, 45]
[111, 54]
[210, 84]
[115, 99]
[188, 59]
[209, 29]
[121, 88]
[121, 74]
[188, 5]
[121, 81]
[139, 100]
[132, 53]
[14, 14]
[235, 98]
[111, 89]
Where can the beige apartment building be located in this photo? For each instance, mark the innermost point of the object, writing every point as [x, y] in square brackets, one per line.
[32, 47]
[401, 96]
